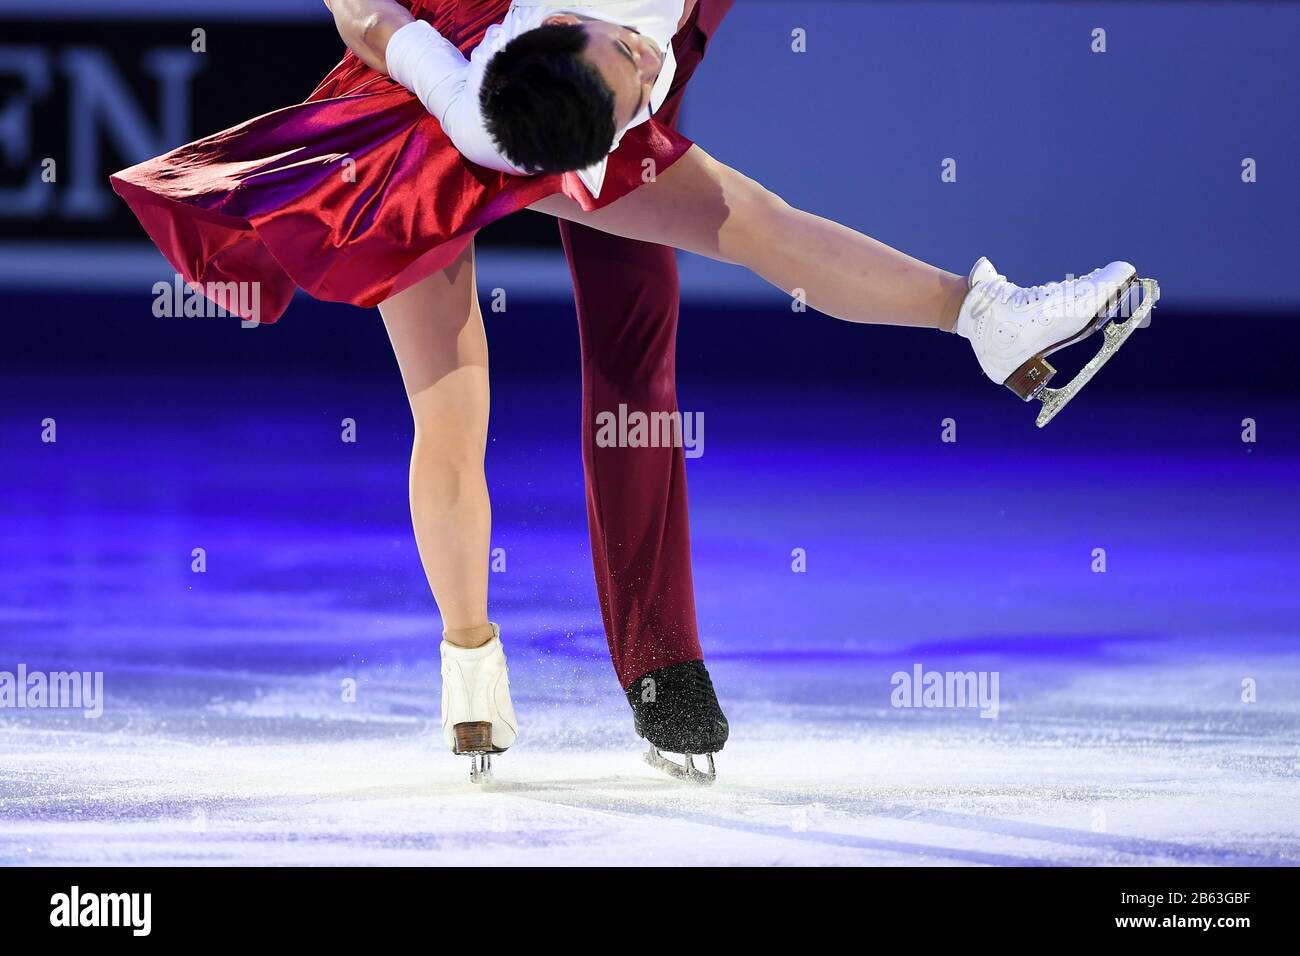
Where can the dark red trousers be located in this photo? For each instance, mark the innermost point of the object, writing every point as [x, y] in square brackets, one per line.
[627, 298]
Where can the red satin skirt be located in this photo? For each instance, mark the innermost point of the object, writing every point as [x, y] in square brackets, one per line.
[353, 195]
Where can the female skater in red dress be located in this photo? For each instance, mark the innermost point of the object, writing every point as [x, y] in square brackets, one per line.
[362, 195]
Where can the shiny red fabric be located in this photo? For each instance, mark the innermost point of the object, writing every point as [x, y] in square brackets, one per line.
[354, 194]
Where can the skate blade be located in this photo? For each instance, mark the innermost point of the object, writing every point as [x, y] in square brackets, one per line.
[1115, 334]
[1029, 381]
[683, 771]
[474, 740]
[480, 768]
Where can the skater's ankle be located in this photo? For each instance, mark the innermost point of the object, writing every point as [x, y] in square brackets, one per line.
[469, 637]
[955, 291]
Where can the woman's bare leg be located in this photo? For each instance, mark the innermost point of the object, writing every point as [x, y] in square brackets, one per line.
[437, 334]
[702, 206]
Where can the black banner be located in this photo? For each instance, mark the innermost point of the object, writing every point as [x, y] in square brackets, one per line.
[83, 97]
[1226, 908]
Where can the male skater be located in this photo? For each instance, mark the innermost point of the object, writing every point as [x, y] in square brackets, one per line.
[627, 296]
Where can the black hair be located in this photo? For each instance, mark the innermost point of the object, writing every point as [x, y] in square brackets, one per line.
[549, 110]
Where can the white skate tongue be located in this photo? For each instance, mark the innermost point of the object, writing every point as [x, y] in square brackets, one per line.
[978, 299]
[981, 272]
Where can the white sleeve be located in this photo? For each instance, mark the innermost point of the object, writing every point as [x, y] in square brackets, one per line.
[426, 63]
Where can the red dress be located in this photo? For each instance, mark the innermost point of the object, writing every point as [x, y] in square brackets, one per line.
[275, 200]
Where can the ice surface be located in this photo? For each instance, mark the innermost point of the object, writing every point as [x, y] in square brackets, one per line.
[279, 770]
[1122, 737]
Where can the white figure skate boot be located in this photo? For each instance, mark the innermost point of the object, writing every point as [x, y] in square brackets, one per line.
[478, 717]
[1013, 329]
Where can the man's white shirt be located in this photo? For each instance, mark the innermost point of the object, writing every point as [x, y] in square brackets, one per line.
[448, 85]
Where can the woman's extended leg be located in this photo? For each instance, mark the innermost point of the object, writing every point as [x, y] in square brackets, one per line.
[702, 206]
[437, 334]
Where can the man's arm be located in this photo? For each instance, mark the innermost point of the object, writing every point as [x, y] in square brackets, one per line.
[387, 38]
[366, 26]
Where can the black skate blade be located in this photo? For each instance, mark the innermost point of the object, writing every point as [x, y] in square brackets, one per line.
[683, 771]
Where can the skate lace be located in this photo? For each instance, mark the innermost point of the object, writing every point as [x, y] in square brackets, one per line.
[699, 686]
[1025, 297]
